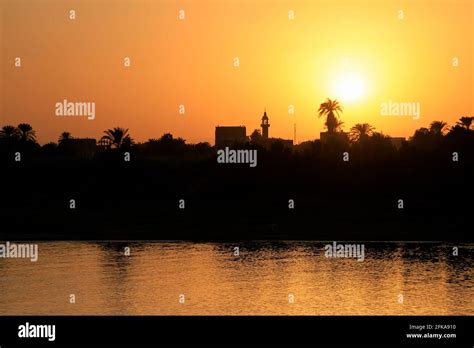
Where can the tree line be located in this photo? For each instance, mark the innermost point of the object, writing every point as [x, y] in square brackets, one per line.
[362, 138]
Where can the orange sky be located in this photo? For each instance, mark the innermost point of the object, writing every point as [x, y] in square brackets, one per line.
[282, 62]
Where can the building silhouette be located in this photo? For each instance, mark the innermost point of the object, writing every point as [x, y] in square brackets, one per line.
[265, 125]
[326, 137]
[229, 135]
[266, 140]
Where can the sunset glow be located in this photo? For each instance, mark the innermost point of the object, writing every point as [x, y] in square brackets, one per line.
[361, 52]
[349, 88]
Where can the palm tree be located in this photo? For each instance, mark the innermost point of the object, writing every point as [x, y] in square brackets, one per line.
[9, 132]
[465, 122]
[64, 136]
[361, 131]
[256, 136]
[127, 142]
[328, 109]
[339, 125]
[117, 136]
[438, 127]
[26, 132]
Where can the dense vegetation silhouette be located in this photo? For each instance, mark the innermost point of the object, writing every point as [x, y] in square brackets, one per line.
[431, 173]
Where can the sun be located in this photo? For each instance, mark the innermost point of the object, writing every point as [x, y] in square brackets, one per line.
[349, 87]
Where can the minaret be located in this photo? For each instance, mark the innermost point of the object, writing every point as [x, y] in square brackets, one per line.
[265, 125]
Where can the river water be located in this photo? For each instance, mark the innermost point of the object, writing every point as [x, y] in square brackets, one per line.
[265, 278]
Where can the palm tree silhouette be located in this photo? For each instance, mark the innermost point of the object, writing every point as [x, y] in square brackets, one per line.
[64, 136]
[117, 137]
[127, 142]
[328, 109]
[256, 136]
[339, 125]
[438, 127]
[361, 131]
[465, 122]
[9, 132]
[26, 132]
